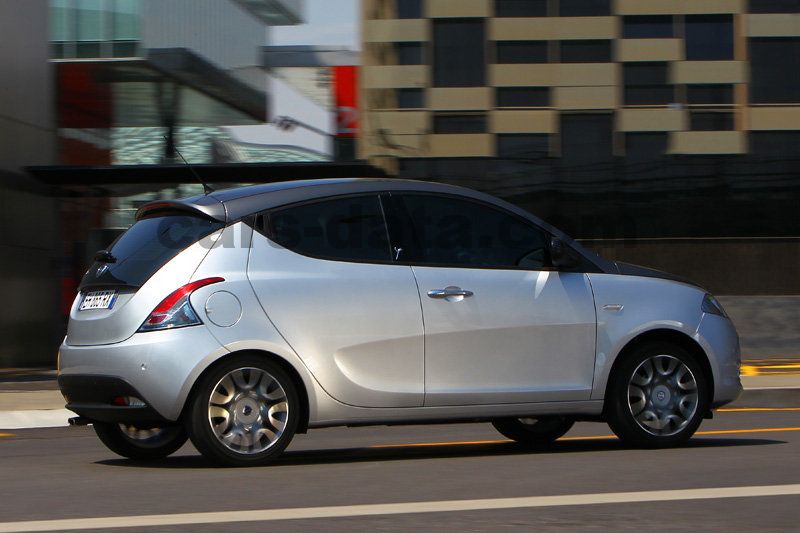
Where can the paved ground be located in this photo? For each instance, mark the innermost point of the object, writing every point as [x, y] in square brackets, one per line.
[65, 473]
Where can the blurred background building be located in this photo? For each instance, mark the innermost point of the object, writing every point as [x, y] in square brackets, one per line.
[661, 132]
[102, 85]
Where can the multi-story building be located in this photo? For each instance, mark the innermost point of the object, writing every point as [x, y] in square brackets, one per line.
[660, 131]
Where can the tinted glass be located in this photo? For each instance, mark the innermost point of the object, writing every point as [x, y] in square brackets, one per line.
[449, 231]
[709, 94]
[584, 8]
[459, 123]
[775, 144]
[523, 145]
[774, 6]
[711, 121]
[645, 146]
[775, 70]
[523, 96]
[586, 51]
[408, 9]
[521, 51]
[709, 37]
[147, 246]
[520, 8]
[586, 138]
[349, 229]
[646, 84]
[409, 53]
[645, 73]
[410, 98]
[459, 53]
[647, 27]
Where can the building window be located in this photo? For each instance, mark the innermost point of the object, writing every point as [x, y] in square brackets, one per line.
[584, 8]
[586, 138]
[586, 51]
[521, 52]
[721, 94]
[647, 84]
[459, 53]
[774, 6]
[523, 145]
[708, 120]
[410, 53]
[774, 68]
[408, 9]
[520, 8]
[645, 146]
[459, 123]
[410, 98]
[774, 143]
[709, 37]
[647, 27]
[523, 96]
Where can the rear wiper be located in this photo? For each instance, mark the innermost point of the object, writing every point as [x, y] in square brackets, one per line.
[104, 256]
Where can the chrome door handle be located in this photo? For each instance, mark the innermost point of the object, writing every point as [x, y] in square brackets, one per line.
[450, 293]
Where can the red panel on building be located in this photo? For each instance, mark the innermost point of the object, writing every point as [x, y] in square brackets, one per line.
[85, 114]
[345, 80]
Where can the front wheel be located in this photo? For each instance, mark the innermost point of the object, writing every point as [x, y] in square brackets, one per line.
[140, 443]
[657, 397]
[244, 412]
[534, 432]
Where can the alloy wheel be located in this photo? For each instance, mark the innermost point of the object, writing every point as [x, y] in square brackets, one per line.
[662, 395]
[248, 410]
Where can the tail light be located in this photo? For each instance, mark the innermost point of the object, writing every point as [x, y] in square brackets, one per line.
[175, 311]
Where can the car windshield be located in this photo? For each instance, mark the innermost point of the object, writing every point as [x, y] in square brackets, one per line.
[147, 246]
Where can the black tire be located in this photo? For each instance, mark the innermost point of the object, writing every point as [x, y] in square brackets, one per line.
[140, 444]
[534, 432]
[199, 421]
[662, 400]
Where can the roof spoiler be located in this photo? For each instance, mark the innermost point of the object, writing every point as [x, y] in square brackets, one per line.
[205, 207]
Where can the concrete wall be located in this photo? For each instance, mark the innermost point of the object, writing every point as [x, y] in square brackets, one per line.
[29, 323]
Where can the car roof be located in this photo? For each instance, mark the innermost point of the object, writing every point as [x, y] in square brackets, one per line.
[229, 205]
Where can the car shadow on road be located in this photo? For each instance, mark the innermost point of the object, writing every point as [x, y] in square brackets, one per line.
[437, 451]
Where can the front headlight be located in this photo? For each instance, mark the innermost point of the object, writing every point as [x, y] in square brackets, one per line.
[712, 306]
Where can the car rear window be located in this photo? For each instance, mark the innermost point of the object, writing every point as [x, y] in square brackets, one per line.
[147, 246]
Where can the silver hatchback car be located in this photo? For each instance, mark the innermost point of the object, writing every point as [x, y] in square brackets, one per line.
[244, 316]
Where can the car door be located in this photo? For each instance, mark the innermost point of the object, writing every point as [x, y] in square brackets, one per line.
[500, 326]
[323, 273]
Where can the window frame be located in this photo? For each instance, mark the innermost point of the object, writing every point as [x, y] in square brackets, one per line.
[262, 223]
[393, 209]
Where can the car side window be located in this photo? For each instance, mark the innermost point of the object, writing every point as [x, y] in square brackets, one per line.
[447, 231]
[345, 229]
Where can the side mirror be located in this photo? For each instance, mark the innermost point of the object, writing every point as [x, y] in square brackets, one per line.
[561, 256]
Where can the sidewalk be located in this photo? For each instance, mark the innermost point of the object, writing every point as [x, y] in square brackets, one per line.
[32, 400]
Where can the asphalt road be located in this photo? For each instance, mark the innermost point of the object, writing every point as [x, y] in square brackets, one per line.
[65, 473]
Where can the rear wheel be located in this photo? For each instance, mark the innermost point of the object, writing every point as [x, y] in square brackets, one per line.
[534, 432]
[657, 397]
[244, 413]
[140, 442]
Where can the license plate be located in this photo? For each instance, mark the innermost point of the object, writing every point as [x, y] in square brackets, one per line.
[98, 300]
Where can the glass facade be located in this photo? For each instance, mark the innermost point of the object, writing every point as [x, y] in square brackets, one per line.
[95, 28]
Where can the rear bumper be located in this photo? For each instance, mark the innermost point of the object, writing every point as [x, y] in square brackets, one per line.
[92, 398]
[157, 367]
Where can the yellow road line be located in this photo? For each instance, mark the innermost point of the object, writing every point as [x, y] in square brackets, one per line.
[759, 369]
[7, 435]
[592, 437]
